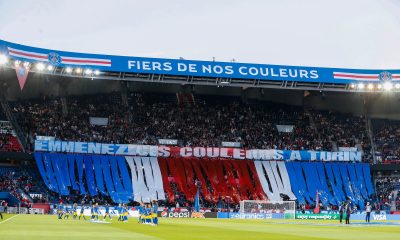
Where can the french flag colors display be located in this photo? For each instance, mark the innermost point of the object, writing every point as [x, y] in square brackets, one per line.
[143, 179]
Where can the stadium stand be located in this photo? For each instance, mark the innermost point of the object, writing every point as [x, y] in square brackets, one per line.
[203, 121]
[387, 139]
[206, 122]
[8, 140]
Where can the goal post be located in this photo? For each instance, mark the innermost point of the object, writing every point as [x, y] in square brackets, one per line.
[283, 209]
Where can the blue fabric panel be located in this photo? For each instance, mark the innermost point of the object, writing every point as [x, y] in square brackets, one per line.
[39, 162]
[115, 175]
[367, 178]
[55, 162]
[50, 173]
[71, 168]
[325, 192]
[323, 195]
[64, 168]
[89, 175]
[79, 164]
[355, 185]
[126, 178]
[361, 180]
[107, 176]
[99, 174]
[338, 179]
[346, 181]
[301, 182]
[294, 182]
[310, 180]
[336, 194]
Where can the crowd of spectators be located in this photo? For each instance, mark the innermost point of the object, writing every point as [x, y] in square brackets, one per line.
[208, 121]
[387, 139]
[20, 183]
[8, 141]
[387, 192]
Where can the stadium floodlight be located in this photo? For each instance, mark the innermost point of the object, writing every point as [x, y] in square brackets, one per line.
[78, 70]
[397, 85]
[88, 71]
[96, 72]
[352, 85]
[370, 86]
[16, 63]
[379, 86]
[3, 59]
[361, 86]
[50, 67]
[68, 69]
[40, 66]
[387, 86]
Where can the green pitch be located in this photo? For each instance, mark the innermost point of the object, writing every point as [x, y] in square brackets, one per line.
[48, 227]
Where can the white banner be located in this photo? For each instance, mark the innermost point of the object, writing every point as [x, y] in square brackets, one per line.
[100, 121]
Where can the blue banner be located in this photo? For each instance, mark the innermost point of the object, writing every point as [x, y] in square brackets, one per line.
[196, 68]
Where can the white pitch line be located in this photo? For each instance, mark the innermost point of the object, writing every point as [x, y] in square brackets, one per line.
[8, 219]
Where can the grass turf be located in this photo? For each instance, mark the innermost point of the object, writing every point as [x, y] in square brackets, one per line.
[48, 227]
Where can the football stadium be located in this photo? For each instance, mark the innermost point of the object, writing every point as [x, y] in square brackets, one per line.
[156, 146]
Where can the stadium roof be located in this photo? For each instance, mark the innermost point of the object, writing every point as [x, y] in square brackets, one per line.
[60, 63]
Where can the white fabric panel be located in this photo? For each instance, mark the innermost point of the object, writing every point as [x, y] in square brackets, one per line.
[263, 180]
[271, 177]
[149, 178]
[144, 192]
[136, 189]
[286, 180]
[278, 179]
[157, 178]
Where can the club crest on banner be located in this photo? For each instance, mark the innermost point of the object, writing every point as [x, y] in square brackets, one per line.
[54, 58]
[385, 76]
[22, 75]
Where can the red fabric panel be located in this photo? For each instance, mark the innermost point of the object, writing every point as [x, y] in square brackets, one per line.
[232, 187]
[212, 177]
[177, 176]
[199, 175]
[162, 162]
[184, 179]
[257, 184]
[189, 177]
[221, 177]
[243, 184]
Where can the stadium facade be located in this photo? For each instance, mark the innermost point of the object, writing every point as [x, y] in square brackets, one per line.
[144, 171]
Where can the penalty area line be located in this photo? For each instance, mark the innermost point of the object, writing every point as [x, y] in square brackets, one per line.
[8, 219]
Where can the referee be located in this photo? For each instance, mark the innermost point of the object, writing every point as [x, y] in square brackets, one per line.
[348, 211]
[368, 210]
[341, 210]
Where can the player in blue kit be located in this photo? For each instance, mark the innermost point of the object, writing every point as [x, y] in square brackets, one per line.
[81, 212]
[154, 213]
[126, 213]
[65, 212]
[119, 208]
[75, 209]
[60, 210]
[140, 210]
[107, 212]
[95, 212]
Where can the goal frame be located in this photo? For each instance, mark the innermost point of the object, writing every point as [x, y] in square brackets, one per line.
[289, 213]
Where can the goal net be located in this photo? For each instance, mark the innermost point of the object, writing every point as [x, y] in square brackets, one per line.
[282, 209]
